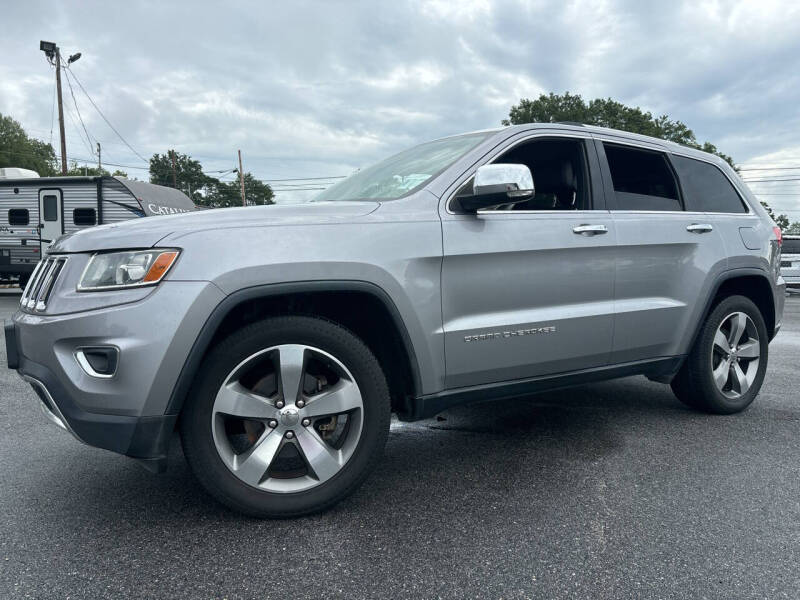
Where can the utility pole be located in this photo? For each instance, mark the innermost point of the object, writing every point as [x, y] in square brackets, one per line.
[99, 162]
[61, 114]
[53, 54]
[174, 176]
[241, 178]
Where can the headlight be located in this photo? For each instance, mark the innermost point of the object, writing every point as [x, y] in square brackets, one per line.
[133, 268]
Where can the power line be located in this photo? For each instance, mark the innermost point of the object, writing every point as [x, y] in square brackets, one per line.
[767, 168]
[78, 81]
[78, 110]
[75, 158]
[772, 184]
[294, 185]
[304, 179]
[77, 130]
[297, 189]
[770, 180]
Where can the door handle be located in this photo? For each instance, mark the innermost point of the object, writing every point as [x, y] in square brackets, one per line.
[589, 229]
[699, 228]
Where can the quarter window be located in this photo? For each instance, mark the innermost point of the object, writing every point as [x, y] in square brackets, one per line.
[50, 208]
[705, 187]
[18, 216]
[84, 217]
[642, 179]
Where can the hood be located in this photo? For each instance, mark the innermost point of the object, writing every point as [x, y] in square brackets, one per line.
[148, 231]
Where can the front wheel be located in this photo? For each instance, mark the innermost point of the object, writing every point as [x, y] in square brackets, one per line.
[725, 369]
[288, 417]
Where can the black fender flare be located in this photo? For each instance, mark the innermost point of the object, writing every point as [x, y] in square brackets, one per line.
[201, 344]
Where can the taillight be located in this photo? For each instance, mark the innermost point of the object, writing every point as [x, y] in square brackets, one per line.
[778, 234]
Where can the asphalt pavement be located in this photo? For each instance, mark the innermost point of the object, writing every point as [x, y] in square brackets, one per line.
[611, 490]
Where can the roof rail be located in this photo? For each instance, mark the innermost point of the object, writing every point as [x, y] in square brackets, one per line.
[570, 123]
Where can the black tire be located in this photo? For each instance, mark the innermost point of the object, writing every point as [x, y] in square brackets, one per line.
[694, 384]
[196, 418]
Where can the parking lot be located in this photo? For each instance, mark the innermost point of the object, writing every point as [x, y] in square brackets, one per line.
[606, 490]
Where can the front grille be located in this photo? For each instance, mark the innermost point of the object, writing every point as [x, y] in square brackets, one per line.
[44, 277]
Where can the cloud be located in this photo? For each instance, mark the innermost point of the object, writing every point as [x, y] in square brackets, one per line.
[310, 89]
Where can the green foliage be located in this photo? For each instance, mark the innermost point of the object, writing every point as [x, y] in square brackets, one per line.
[205, 190]
[189, 175]
[781, 221]
[793, 229]
[19, 150]
[225, 194]
[605, 112]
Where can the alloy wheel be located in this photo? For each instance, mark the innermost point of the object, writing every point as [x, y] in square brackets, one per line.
[735, 355]
[287, 418]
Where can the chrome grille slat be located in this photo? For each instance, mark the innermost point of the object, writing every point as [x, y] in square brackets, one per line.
[31, 283]
[47, 287]
[44, 277]
[38, 286]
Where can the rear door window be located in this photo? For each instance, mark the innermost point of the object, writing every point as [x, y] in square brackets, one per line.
[642, 179]
[706, 188]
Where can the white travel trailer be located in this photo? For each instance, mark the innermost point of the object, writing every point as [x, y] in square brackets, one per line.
[34, 211]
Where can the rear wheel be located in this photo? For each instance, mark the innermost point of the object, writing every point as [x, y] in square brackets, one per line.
[288, 417]
[725, 369]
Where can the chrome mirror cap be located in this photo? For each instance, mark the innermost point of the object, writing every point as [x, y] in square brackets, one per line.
[513, 179]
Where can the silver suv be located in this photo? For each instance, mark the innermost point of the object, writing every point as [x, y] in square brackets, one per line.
[278, 340]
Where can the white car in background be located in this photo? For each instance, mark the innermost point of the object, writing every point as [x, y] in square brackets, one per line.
[790, 262]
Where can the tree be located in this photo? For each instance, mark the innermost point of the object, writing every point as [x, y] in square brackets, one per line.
[605, 112]
[225, 194]
[781, 221]
[257, 192]
[203, 189]
[189, 175]
[793, 229]
[19, 150]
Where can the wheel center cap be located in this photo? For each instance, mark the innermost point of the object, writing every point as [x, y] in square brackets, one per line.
[290, 416]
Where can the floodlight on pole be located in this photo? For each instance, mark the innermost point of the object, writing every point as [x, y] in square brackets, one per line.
[49, 48]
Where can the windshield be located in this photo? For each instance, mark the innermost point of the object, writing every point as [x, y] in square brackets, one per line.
[404, 172]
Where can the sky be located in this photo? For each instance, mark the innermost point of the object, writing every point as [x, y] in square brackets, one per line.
[319, 89]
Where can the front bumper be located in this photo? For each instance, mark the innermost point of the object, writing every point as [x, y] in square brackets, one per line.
[137, 437]
[124, 413]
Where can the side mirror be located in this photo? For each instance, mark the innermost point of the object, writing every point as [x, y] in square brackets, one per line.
[497, 184]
